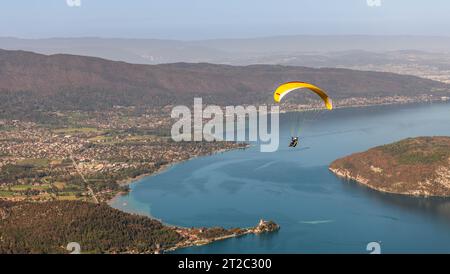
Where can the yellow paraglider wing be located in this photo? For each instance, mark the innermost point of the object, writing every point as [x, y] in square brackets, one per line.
[285, 88]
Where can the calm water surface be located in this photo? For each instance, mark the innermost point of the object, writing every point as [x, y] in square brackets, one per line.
[318, 212]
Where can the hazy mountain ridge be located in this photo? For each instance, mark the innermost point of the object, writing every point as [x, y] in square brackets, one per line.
[26, 71]
[69, 81]
[231, 51]
[423, 56]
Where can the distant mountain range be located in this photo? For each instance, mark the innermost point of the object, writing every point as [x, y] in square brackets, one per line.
[423, 56]
[226, 51]
[38, 81]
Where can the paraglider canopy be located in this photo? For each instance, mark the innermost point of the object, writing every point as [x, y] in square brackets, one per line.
[285, 88]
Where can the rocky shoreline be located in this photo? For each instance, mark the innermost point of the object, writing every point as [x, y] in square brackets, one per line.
[417, 167]
[199, 236]
[346, 175]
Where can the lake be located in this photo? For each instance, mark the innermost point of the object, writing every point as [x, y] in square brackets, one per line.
[317, 212]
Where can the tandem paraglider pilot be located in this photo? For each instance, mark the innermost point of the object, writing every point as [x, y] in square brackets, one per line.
[294, 142]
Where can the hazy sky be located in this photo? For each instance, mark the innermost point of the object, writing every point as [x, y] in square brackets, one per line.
[200, 19]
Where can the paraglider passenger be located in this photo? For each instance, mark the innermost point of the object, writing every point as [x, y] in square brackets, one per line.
[294, 142]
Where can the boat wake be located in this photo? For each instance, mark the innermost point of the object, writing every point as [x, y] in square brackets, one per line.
[316, 222]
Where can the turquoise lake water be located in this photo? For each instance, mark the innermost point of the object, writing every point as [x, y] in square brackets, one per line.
[317, 212]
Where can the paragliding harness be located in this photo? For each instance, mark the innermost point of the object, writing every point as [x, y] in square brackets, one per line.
[294, 142]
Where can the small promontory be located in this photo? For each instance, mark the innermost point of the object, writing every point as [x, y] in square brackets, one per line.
[414, 166]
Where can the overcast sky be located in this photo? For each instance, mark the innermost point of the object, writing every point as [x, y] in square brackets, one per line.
[206, 19]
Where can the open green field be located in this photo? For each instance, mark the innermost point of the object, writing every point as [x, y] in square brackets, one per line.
[5, 193]
[35, 162]
[26, 187]
[73, 130]
[111, 139]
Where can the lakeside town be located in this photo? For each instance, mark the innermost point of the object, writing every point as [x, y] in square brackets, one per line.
[92, 156]
[88, 162]
[364, 102]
